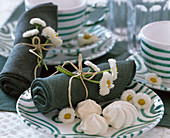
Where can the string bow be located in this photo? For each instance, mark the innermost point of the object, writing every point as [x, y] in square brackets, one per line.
[80, 74]
[37, 51]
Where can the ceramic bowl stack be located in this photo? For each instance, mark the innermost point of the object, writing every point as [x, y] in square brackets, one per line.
[71, 50]
[68, 51]
[155, 45]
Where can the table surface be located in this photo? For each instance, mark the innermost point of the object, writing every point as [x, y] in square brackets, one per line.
[10, 122]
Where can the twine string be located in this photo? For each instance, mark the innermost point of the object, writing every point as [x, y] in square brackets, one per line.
[36, 43]
[80, 74]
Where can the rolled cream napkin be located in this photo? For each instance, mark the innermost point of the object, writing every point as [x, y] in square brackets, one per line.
[52, 92]
[18, 72]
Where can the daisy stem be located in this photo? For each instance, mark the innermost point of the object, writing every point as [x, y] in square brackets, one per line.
[89, 70]
[93, 81]
[65, 71]
[38, 62]
[107, 70]
[36, 26]
[42, 60]
[89, 75]
[47, 41]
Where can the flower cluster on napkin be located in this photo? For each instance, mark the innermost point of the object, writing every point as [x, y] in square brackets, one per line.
[17, 73]
[52, 92]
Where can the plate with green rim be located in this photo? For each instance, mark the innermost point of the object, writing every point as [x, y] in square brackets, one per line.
[49, 124]
[69, 51]
[142, 71]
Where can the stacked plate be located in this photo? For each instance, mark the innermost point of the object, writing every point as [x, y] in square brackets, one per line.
[68, 51]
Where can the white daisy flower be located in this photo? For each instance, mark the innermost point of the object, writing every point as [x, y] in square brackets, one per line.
[56, 41]
[142, 101]
[66, 115]
[87, 39]
[153, 79]
[128, 95]
[37, 21]
[50, 33]
[113, 67]
[30, 33]
[106, 84]
[91, 65]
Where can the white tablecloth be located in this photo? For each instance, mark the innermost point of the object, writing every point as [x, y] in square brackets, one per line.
[11, 125]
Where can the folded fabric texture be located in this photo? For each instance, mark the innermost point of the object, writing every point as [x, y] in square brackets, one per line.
[52, 92]
[18, 72]
[6, 102]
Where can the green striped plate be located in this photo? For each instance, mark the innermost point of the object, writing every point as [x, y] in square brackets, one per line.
[49, 124]
[68, 51]
[142, 71]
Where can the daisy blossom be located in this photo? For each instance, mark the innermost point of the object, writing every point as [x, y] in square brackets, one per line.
[128, 95]
[91, 65]
[113, 67]
[66, 115]
[106, 83]
[56, 41]
[142, 101]
[50, 33]
[153, 79]
[87, 39]
[30, 33]
[37, 21]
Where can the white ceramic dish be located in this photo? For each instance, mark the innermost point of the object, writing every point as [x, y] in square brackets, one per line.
[67, 52]
[48, 123]
[142, 71]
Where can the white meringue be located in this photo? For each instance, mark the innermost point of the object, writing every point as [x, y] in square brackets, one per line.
[93, 125]
[87, 107]
[120, 114]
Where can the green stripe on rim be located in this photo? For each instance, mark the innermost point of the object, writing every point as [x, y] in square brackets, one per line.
[131, 86]
[44, 122]
[69, 33]
[67, 40]
[158, 70]
[139, 67]
[71, 14]
[70, 27]
[154, 48]
[70, 19]
[155, 63]
[155, 56]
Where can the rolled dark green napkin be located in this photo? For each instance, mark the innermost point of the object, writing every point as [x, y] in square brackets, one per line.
[18, 72]
[52, 92]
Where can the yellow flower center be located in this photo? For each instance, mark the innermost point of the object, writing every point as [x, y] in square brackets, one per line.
[141, 102]
[153, 80]
[87, 36]
[128, 98]
[109, 83]
[67, 116]
[116, 68]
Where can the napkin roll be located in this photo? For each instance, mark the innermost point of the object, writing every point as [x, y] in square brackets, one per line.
[18, 72]
[52, 92]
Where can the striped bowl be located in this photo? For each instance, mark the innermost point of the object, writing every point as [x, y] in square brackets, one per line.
[155, 46]
[70, 22]
[72, 15]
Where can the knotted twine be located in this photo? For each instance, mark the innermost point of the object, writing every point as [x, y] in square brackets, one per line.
[80, 74]
[37, 47]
